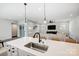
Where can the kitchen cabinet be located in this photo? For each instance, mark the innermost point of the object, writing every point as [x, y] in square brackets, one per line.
[24, 53]
[9, 49]
[13, 51]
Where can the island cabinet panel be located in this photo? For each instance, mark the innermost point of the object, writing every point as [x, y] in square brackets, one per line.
[12, 51]
[9, 49]
[24, 53]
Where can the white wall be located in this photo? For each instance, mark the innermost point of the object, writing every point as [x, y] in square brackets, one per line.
[61, 27]
[43, 27]
[74, 28]
[5, 29]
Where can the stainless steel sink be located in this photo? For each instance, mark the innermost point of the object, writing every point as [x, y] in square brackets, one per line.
[38, 47]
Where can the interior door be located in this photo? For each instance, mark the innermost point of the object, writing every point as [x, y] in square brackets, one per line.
[14, 30]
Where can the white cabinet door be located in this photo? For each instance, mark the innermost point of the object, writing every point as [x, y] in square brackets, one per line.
[12, 51]
[9, 49]
[24, 53]
[20, 52]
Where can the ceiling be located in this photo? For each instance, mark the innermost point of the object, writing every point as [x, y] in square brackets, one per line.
[35, 11]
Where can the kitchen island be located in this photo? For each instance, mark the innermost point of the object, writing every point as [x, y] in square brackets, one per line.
[55, 48]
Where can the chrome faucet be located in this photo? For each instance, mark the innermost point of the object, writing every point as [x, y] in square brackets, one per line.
[39, 36]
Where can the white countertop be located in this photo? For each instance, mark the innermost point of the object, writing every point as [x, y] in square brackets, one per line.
[55, 48]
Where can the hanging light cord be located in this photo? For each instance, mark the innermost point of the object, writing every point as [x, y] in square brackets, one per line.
[25, 11]
[44, 12]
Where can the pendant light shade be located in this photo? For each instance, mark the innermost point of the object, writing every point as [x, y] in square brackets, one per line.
[45, 14]
[45, 20]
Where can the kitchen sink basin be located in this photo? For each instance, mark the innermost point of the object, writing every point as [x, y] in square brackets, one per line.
[37, 46]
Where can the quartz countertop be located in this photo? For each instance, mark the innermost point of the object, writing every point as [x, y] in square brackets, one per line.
[55, 48]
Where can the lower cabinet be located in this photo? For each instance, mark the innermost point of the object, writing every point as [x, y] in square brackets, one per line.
[9, 49]
[13, 51]
[24, 53]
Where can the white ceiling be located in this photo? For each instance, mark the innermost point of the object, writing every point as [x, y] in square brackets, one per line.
[35, 11]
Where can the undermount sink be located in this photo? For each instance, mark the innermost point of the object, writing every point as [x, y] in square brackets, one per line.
[36, 46]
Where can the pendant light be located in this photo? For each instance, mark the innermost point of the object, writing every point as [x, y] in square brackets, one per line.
[25, 11]
[45, 14]
[25, 24]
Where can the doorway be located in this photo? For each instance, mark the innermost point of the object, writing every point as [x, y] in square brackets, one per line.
[14, 30]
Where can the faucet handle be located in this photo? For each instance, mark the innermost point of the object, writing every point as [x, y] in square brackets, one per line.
[42, 41]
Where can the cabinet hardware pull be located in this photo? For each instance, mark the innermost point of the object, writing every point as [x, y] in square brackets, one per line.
[12, 51]
[12, 48]
[9, 50]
